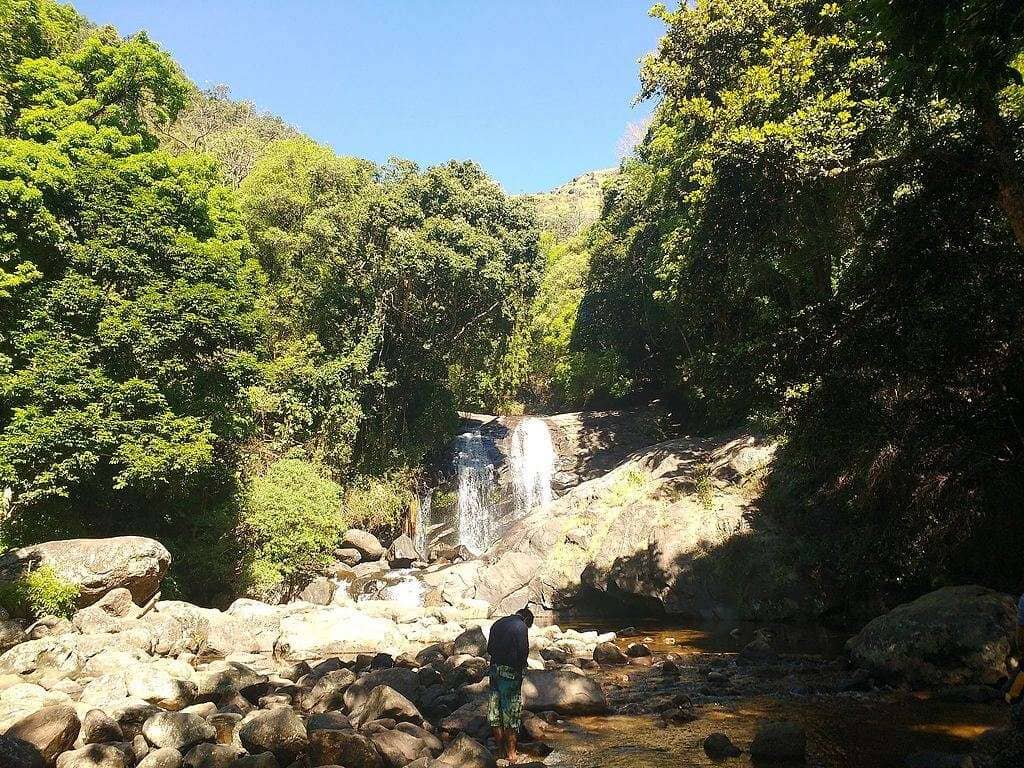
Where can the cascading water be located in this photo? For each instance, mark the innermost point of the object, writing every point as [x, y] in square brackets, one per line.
[476, 483]
[531, 462]
[423, 521]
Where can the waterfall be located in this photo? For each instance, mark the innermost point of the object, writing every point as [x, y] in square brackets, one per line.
[423, 522]
[476, 483]
[531, 462]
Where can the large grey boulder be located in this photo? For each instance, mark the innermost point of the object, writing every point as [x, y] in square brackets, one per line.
[402, 552]
[180, 730]
[464, 752]
[562, 691]
[278, 730]
[211, 756]
[97, 756]
[161, 758]
[96, 566]
[11, 633]
[386, 702]
[319, 633]
[328, 692]
[15, 753]
[159, 687]
[110, 613]
[404, 681]
[398, 748]
[51, 730]
[365, 543]
[471, 643]
[952, 636]
[347, 748]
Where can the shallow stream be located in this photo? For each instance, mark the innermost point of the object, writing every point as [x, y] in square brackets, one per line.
[870, 729]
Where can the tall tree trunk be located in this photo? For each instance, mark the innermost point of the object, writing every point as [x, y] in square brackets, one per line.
[1008, 176]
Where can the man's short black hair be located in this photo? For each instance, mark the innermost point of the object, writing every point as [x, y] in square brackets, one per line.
[526, 615]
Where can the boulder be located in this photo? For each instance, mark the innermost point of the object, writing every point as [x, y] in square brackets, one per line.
[277, 730]
[471, 643]
[11, 633]
[108, 614]
[320, 591]
[399, 748]
[47, 654]
[17, 754]
[365, 543]
[329, 691]
[97, 756]
[386, 702]
[430, 741]
[51, 730]
[464, 752]
[609, 653]
[96, 566]
[160, 688]
[161, 758]
[347, 748]
[222, 679]
[349, 556]
[779, 741]
[337, 630]
[404, 681]
[637, 650]
[952, 636]
[328, 721]
[210, 756]
[402, 552]
[718, 745]
[98, 727]
[180, 730]
[563, 691]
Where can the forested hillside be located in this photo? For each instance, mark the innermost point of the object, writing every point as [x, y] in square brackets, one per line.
[216, 331]
[820, 237]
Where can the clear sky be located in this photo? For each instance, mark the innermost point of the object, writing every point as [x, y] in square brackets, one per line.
[536, 91]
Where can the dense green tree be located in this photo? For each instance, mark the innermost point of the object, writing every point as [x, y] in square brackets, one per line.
[128, 304]
[812, 238]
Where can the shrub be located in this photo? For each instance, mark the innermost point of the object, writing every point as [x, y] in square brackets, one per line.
[378, 503]
[291, 521]
[40, 592]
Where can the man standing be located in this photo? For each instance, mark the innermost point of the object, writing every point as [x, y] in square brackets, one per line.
[508, 646]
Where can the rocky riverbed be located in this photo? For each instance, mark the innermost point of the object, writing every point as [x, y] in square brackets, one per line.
[338, 676]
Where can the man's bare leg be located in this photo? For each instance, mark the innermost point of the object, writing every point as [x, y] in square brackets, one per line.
[510, 734]
[499, 738]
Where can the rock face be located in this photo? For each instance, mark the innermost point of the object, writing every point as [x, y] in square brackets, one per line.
[632, 535]
[51, 730]
[955, 635]
[97, 565]
[334, 631]
[562, 691]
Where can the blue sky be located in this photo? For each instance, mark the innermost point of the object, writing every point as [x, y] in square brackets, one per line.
[536, 91]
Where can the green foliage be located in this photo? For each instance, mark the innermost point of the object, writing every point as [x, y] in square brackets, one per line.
[161, 330]
[568, 210]
[811, 239]
[38, 592]
[290, 524]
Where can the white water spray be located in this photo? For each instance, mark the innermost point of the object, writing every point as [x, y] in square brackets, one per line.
[476, 483]
[531, 462]
[423, 522]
